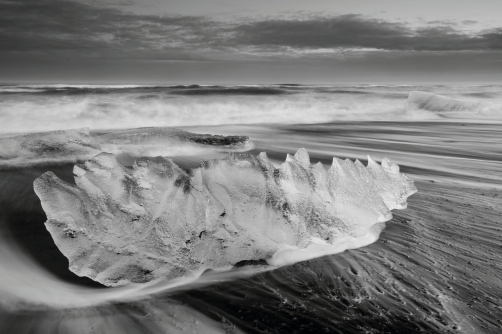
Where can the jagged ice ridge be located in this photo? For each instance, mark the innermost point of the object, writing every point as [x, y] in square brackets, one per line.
[154, 220]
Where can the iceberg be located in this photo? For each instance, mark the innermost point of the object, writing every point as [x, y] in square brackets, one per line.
[82, 144]
[445, 106]
[120, 225]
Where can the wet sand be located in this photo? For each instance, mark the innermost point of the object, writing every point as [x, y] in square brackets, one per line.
[436, 268]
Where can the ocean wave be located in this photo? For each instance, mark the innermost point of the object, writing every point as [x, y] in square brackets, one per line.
[70, 90]
[232, 91]
[122, 107]
[338, 91]
[45, 113]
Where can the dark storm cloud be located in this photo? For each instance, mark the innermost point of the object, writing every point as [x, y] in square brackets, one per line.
[353, 31]
[59, 27]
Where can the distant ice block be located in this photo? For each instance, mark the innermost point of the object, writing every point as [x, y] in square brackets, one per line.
[46, 147]
[82, 144]
[447, 106]
[150, 142]
[160, 135]
[154, 220]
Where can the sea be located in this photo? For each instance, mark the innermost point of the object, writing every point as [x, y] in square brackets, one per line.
[436, 267]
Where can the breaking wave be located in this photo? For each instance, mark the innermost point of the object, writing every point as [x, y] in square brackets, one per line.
[232, 91]
[46, 108]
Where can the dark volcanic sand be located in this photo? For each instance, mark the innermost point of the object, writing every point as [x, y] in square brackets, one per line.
[437, 267]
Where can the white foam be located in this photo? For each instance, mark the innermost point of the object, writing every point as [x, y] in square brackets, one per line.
[127, 110]
[291, 255]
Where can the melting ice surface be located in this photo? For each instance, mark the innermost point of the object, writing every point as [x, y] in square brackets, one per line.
[122, 225]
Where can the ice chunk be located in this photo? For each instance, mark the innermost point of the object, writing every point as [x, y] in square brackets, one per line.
[61, 146]
[432, 102]
[134, 143]
[122, 225]
[444, 106]
[159, 135]
[82, 144]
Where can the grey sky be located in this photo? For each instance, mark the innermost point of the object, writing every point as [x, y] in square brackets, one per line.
[146, 41]
[486, 11]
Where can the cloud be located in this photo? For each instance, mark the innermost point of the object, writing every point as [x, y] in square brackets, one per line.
[65, 28]
[354, 31]
[58, 25]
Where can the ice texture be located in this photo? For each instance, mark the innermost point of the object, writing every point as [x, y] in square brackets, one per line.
[82, 144]
[154, 220]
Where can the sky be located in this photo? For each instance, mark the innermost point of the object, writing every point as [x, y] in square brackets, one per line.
[250, 42]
